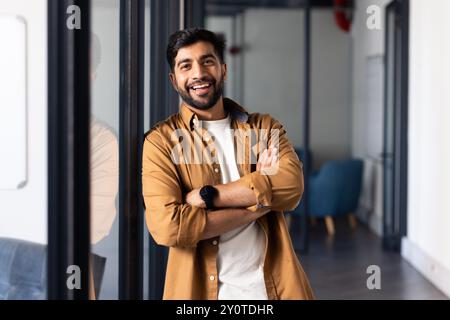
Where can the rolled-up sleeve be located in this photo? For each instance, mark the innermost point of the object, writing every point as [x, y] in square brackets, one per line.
[281, 191]
[170, 221]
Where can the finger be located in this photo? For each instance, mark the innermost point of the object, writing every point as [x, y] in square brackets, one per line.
[275, 150]
[261, 160]
[268, 160]
[263, 157]
[273, 154]
[269, 152]
[274, 160]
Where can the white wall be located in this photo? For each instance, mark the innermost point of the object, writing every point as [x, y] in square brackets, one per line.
[367, 110]
[23, 213]
[273, 77]
[428, 240]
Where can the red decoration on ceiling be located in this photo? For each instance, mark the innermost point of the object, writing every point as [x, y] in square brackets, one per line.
[343, 11]
[234, 50]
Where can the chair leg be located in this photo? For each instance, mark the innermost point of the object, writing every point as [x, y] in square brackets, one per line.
[352, 221]
[330, 225]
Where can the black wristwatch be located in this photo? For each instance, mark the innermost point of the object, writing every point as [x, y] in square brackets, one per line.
[208, 193]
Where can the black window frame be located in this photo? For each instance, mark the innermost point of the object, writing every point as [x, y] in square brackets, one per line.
[68, 150]
[131, 237]
[164, 20]
[395, 224]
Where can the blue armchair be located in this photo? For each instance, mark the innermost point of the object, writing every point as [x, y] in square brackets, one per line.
[335, 190]
[352, 171]
[23, 270]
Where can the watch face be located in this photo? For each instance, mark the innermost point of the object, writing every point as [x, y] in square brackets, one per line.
[204, 192]
[212, 191]
[208, 192]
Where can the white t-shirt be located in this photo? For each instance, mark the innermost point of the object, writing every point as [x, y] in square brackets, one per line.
[241, 251]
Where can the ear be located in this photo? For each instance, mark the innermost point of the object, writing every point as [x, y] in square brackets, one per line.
[173, 80]
[225, 71]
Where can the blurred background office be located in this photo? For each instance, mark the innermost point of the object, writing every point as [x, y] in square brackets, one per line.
[360, 86]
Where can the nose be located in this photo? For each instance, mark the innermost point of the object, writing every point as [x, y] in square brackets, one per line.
[198, 71]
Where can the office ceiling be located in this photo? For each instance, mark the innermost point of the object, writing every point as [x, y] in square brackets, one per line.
[232, 7]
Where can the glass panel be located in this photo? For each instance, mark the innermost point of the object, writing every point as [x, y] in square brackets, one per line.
[104, 50]
[23, 140]
[146, 128]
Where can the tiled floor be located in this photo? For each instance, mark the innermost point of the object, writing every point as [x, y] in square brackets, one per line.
[337, 267]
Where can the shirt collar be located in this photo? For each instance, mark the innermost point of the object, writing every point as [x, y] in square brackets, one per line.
[236, 112]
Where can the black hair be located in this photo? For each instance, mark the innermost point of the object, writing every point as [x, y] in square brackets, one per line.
[187, 37]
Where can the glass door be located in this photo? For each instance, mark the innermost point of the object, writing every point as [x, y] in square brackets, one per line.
[395, 121]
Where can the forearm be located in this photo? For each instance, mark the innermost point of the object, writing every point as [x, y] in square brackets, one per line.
[241, 194]
[252, 191]
[224, 220]
[234, 194]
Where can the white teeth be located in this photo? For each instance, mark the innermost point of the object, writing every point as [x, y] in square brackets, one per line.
[201, 86]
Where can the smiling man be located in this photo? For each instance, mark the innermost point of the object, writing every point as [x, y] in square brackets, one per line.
[214, 193]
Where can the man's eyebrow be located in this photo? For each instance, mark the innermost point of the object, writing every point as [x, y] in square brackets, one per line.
[183, 60]
[203, 57]
[208, 55]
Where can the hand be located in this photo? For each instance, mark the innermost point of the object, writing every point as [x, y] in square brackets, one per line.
[194, 199]
[268, 161]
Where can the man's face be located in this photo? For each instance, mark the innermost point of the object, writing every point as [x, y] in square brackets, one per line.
[198, 75]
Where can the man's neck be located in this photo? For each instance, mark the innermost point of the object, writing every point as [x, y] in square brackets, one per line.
[217, 112]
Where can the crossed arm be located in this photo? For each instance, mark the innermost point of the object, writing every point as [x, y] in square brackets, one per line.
[180, 220]
[233, 196]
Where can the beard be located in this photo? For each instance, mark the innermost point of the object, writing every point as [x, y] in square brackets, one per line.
[213, 97]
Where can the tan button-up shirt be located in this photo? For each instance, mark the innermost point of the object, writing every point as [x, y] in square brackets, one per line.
[175, 162]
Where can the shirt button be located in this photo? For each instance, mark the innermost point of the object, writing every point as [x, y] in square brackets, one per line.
[214, 242]
[216, 170]
[211, 277]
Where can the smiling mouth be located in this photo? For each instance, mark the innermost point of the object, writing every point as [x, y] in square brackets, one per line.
[201, 89]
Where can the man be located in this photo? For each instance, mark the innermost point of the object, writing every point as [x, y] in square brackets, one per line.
[219, 211]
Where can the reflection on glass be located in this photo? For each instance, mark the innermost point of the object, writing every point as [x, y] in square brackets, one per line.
[104, 147]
